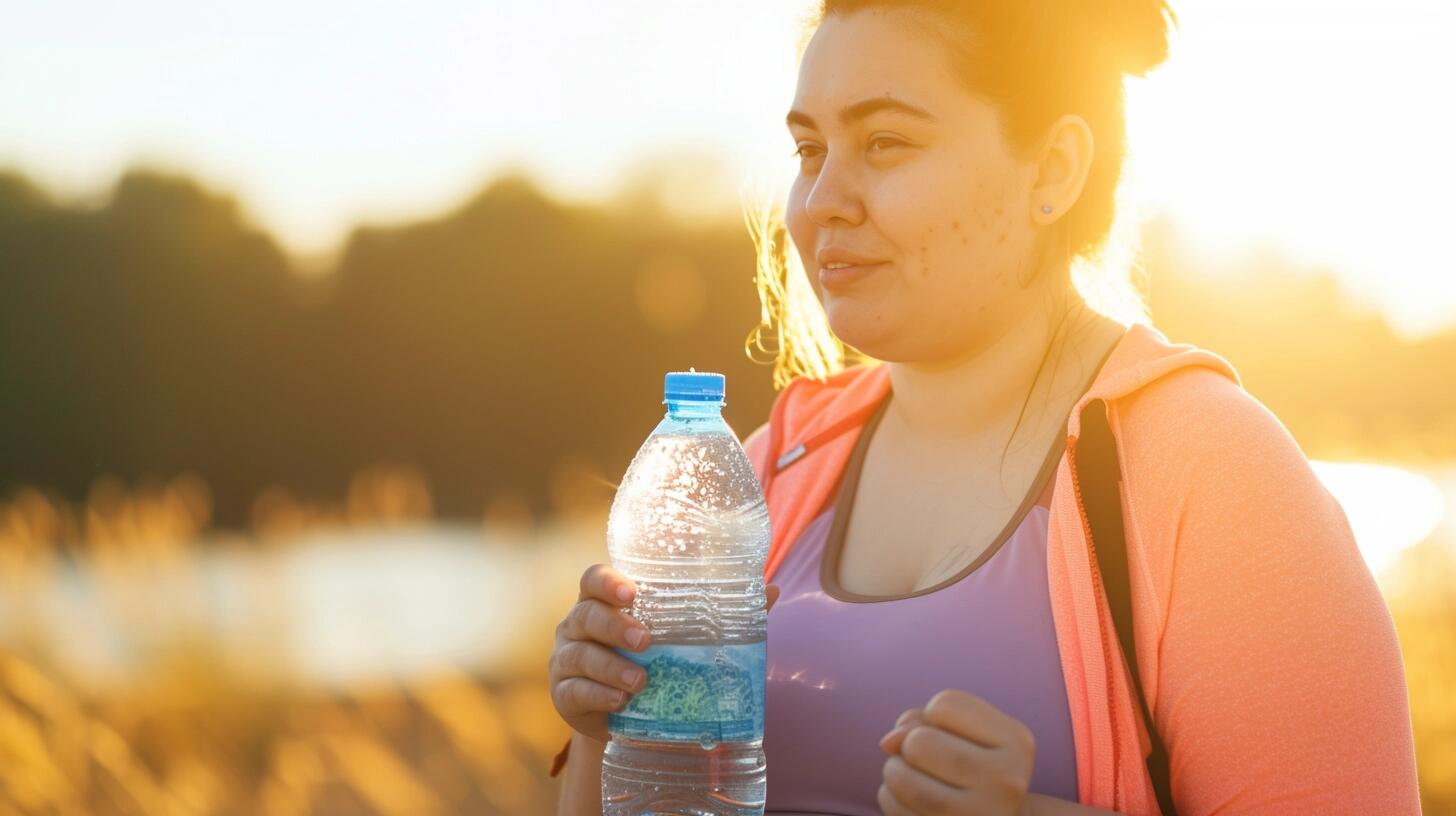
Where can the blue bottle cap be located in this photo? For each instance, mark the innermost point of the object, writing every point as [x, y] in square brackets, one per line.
[693, 385]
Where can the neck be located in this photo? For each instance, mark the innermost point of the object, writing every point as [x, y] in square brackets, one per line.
[980, 393]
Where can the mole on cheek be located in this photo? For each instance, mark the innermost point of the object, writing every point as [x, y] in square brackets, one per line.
[955, 226]
[1002, 239]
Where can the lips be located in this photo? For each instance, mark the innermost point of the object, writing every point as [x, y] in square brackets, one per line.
[860, 266]
[846, 276]
[838, 254]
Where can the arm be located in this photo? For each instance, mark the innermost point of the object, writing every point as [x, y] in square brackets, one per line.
[1280, 686]
[581, 784]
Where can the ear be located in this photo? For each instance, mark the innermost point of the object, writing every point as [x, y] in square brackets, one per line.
[1066, 159]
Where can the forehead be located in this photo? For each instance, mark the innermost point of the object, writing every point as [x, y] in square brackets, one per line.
[874, 53]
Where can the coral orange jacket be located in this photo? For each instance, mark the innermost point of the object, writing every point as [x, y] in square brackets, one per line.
[1268, 656]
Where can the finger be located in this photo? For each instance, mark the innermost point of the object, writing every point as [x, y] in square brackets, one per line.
[913, 716]
[889, 805]
[582, 695]
[602, 582]
[773, 595]
[946, 757]
[594, 620]
[580, 658]
[890, 743]
[975, 719]
[917, 791]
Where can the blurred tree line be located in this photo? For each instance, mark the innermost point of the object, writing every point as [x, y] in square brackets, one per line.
[511, 344]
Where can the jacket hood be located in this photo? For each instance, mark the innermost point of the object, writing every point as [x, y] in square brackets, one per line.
[815, 420]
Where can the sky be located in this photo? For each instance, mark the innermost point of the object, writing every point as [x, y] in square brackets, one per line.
[1314, 126]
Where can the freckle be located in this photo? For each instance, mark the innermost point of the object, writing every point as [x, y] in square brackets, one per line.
[1002, 239]
[999, 211]
[982, 308]
[965, 240]
[955, 225]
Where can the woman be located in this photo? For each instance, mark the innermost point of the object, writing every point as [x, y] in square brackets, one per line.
[939, 641]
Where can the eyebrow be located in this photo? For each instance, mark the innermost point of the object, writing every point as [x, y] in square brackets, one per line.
[862, 110]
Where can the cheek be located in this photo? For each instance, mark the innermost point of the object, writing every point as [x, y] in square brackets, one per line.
[967, 239]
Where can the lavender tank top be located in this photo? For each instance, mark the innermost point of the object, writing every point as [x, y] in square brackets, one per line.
[842, 667]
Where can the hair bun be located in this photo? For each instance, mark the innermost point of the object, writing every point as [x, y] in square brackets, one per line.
[1131, 34]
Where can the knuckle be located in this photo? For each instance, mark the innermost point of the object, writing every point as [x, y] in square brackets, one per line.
[590, 578]
[882, 797]
[887, 801]
[895, 774]
[901, 783]
[572, 624]
[568, 659]
[918, 745]
[597, 581]
[1027, 737]
[945, 700]
[586, 693]
[900, 778]
[563, 694]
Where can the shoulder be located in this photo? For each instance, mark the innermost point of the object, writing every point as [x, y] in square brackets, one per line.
[1196, 423]
[1217, 490]
[800, 402]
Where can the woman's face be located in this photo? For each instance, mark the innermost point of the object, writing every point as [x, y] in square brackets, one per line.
[935, 197]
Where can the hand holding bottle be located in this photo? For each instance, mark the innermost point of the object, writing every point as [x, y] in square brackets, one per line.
[587, 678]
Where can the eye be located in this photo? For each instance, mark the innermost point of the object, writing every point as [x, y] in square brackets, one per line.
[887, 140]
[803, 151]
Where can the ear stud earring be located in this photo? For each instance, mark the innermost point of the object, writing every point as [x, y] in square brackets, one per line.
[1046, 208]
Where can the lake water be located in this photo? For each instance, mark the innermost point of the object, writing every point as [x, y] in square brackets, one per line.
[338, 608]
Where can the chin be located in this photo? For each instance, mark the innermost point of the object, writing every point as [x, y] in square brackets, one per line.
[868, 332]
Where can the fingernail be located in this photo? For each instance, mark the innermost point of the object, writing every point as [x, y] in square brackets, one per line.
[634, 637]
[623, 592]
[631, 677]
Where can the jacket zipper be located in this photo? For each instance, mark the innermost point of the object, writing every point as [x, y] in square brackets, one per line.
[1107, 661]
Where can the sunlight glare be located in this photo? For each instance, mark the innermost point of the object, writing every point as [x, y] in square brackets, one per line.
[1389, 508]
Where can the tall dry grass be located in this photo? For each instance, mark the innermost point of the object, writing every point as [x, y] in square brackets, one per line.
[194, 732]
[191, 733]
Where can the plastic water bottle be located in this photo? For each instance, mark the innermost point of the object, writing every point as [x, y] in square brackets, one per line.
[690, 527]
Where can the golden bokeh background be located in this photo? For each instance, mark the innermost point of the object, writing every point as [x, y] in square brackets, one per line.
[326, 332]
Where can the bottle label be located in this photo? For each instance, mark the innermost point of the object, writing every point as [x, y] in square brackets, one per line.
[695, 693]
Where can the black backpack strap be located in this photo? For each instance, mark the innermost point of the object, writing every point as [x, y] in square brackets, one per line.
[1100, 477]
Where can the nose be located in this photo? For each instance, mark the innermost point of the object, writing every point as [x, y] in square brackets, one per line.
[835, 194]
